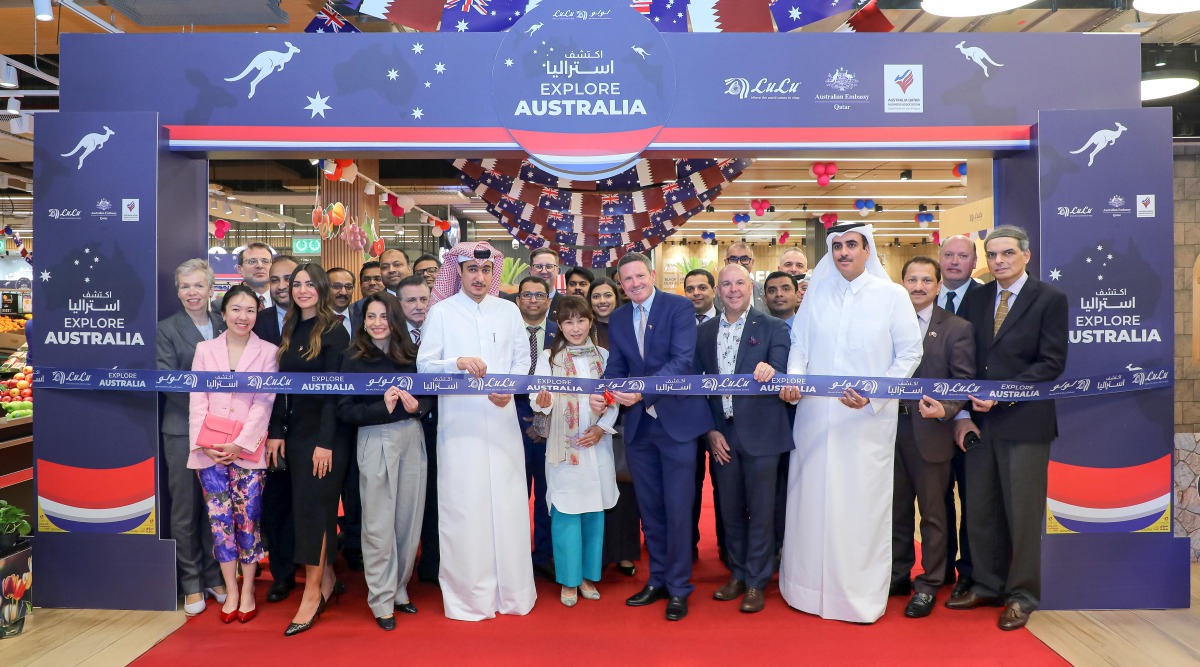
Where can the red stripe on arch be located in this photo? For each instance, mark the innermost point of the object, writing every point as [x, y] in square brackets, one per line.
[95, 488]
[593, 143]
[465, 135]
[1109, 488]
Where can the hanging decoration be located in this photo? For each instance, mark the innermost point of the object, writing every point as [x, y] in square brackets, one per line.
[865, 207]
[829, 219]
[220, 228]
[923, 219]
[760, 206]
[937, 237]
[353, 235]
[16, 237]
[823, 172]
[960, 172]
[784, 237]
[629, 212]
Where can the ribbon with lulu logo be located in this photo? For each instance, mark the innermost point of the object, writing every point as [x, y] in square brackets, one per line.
[1136, 379]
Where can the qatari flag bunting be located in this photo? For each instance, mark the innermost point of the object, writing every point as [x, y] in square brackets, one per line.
[481, 15]
[744, 16]
[328, 20]
[868, 19]
[792, 14]
[420, 15]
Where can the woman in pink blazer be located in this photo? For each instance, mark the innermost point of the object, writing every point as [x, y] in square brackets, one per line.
[231, 474]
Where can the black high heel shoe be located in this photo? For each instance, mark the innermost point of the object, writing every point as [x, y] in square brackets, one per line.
[297, 628]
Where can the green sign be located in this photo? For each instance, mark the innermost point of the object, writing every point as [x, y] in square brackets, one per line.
[310, 245]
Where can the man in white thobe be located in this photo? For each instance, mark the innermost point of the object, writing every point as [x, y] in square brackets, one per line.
[837, 541]
[483, 510]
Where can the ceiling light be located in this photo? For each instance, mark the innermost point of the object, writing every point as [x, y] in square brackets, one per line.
[1160, 60]
[906, 175]
[42, 10]
[709, 209]
[1166, 6]
[922, 208]
[228, 209]
[1167, 83]
[313, 161]
[13, 108]
[22, 124]
[8, 76]
[960, 9]
[370, 188]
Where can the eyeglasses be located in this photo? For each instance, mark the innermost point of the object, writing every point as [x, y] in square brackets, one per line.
[739, 259]
[349, 287]
[256, 262]
[544, 267]
[372, 279]
[533, 296]
[431, 271]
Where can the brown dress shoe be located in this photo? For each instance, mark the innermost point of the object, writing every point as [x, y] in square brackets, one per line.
[970, 600]
[730, 591]
[753, 601]
[1013, 618]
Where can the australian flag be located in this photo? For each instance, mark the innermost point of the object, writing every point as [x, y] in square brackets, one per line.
[329, 20]
[481, 15]
[668, 15]
[792, 14]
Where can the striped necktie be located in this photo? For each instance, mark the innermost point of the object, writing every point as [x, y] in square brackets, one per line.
[533, 348]
[1001, 311]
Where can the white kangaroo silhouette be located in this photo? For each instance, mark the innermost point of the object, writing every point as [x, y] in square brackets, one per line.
[1100, 140]
[266, 62]
[978, 55]
[640, 51]
[534, 28]
[89, 143]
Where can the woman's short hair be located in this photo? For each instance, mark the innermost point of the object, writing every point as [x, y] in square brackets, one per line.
[192, 266]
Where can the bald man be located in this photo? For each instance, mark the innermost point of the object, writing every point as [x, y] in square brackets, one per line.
[794, 262]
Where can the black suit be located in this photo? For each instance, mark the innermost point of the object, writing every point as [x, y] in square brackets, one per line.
[758, 434]
[266, 325]
[278, 526]
[1007, 493]
[958, 551]
[701, 452]
[924, 450]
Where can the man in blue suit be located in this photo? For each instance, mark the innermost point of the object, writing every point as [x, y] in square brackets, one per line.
[751, 436]
[655, 335]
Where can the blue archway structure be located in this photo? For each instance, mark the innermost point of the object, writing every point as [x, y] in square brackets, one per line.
[122, 199]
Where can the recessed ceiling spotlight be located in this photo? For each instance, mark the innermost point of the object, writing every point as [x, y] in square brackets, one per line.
[906, 175]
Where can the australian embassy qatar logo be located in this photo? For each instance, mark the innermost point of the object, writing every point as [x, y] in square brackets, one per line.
[842, 82]
[1116, 207]
[104, 210]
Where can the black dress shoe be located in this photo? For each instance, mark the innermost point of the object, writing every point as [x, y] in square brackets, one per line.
[280, 590]
[920, 606]
[962, 587]
[970, 600]
[676, 608]
[627, 570]
[899, 588]
[388, 623]
[646, 596]
[406, 608]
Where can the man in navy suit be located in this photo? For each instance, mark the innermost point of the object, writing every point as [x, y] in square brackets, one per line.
[752, 433]
[957, 260]
[533, 300]
[655, 335]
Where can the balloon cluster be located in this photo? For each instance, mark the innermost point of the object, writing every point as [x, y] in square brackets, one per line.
[864, 206]
[823, 172]
[760, 206]
[354, 235]
[829, 219]
[220, 228]
[398, 203]
[439, 226]
[783, 238]
[923, 218]
[708, 236]
[937, 238]
[16, 237]
[339, 170]
[960, 172]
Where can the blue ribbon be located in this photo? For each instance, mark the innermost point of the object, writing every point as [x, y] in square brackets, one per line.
[685, 385]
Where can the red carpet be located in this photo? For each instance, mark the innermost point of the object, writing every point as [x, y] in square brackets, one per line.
[602, 632]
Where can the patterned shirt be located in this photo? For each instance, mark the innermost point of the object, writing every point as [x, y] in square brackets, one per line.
[729, 340]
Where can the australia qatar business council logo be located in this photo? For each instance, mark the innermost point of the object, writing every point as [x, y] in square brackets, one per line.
[904, 89]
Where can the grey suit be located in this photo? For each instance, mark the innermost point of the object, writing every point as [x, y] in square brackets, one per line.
[758, 434]
[175, 341]
[924, 450]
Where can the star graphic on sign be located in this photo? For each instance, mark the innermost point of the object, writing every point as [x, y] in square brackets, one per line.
[493, 12]
[418, 113]
[320, 30]
[392, 74]
[439, 68]
[46, 275]
[461, 26]
[508, 62]
[95, 259]
[87, 280]
[1055, 274]
[517, 13]
[679, 15]
[76, 262]
[317, 105]
[1110, 256]
[1099, 248]
[1099, 277]
[608, 182]
[428, 84]
[86, 250]
[418, 48]
[794, 14]
[1089, 260]
[687, 168]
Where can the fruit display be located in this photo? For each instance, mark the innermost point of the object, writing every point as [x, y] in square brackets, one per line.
[15, 361]
[16, 394]
[12, 324]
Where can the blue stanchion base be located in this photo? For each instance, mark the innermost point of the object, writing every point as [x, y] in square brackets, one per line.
[84, 571]
[1115, 571]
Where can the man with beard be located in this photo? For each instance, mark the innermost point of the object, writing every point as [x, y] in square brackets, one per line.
[782, 296]
[579, 280]
[394, 265]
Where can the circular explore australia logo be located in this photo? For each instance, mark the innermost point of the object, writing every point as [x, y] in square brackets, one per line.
[583, 86]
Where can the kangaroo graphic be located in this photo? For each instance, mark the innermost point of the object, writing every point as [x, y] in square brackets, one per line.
[641, 52]
[89, 143]
[266, 62]
[978, 55]
[534, 28]
[1100, 140]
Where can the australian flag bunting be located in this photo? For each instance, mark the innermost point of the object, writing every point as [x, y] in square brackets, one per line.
[792, 14]
[481, 15]
[329, 20]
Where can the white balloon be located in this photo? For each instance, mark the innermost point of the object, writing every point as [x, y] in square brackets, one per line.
[406, 202]
[924, 224]
[350, 173]
[864, 212]
[962, 179]
[436, 231]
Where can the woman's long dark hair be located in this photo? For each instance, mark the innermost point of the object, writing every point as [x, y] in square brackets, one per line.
[326, 320]
[568, 308]
[401, 349]
[235, 291]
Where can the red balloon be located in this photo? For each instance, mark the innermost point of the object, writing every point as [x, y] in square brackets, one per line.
[336, 175]
[342, 164]
[822, 180]
[819, 168]
[937, 238]
[831, 169]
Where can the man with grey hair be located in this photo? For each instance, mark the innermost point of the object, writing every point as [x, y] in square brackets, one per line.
[1020, 335]
[740, 252]
[655, 335]
[794, 262]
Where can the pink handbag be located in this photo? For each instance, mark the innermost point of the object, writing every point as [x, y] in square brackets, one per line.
[219, 430]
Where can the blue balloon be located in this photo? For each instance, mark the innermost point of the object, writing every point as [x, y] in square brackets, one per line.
[962, 169]
[858, 203]
[870, 203]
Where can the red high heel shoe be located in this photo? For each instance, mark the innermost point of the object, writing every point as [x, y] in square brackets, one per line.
[229, 618]
[245, 616]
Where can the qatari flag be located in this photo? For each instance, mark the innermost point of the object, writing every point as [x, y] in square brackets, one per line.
[481, 15]
[792, 14]
[421, 15]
